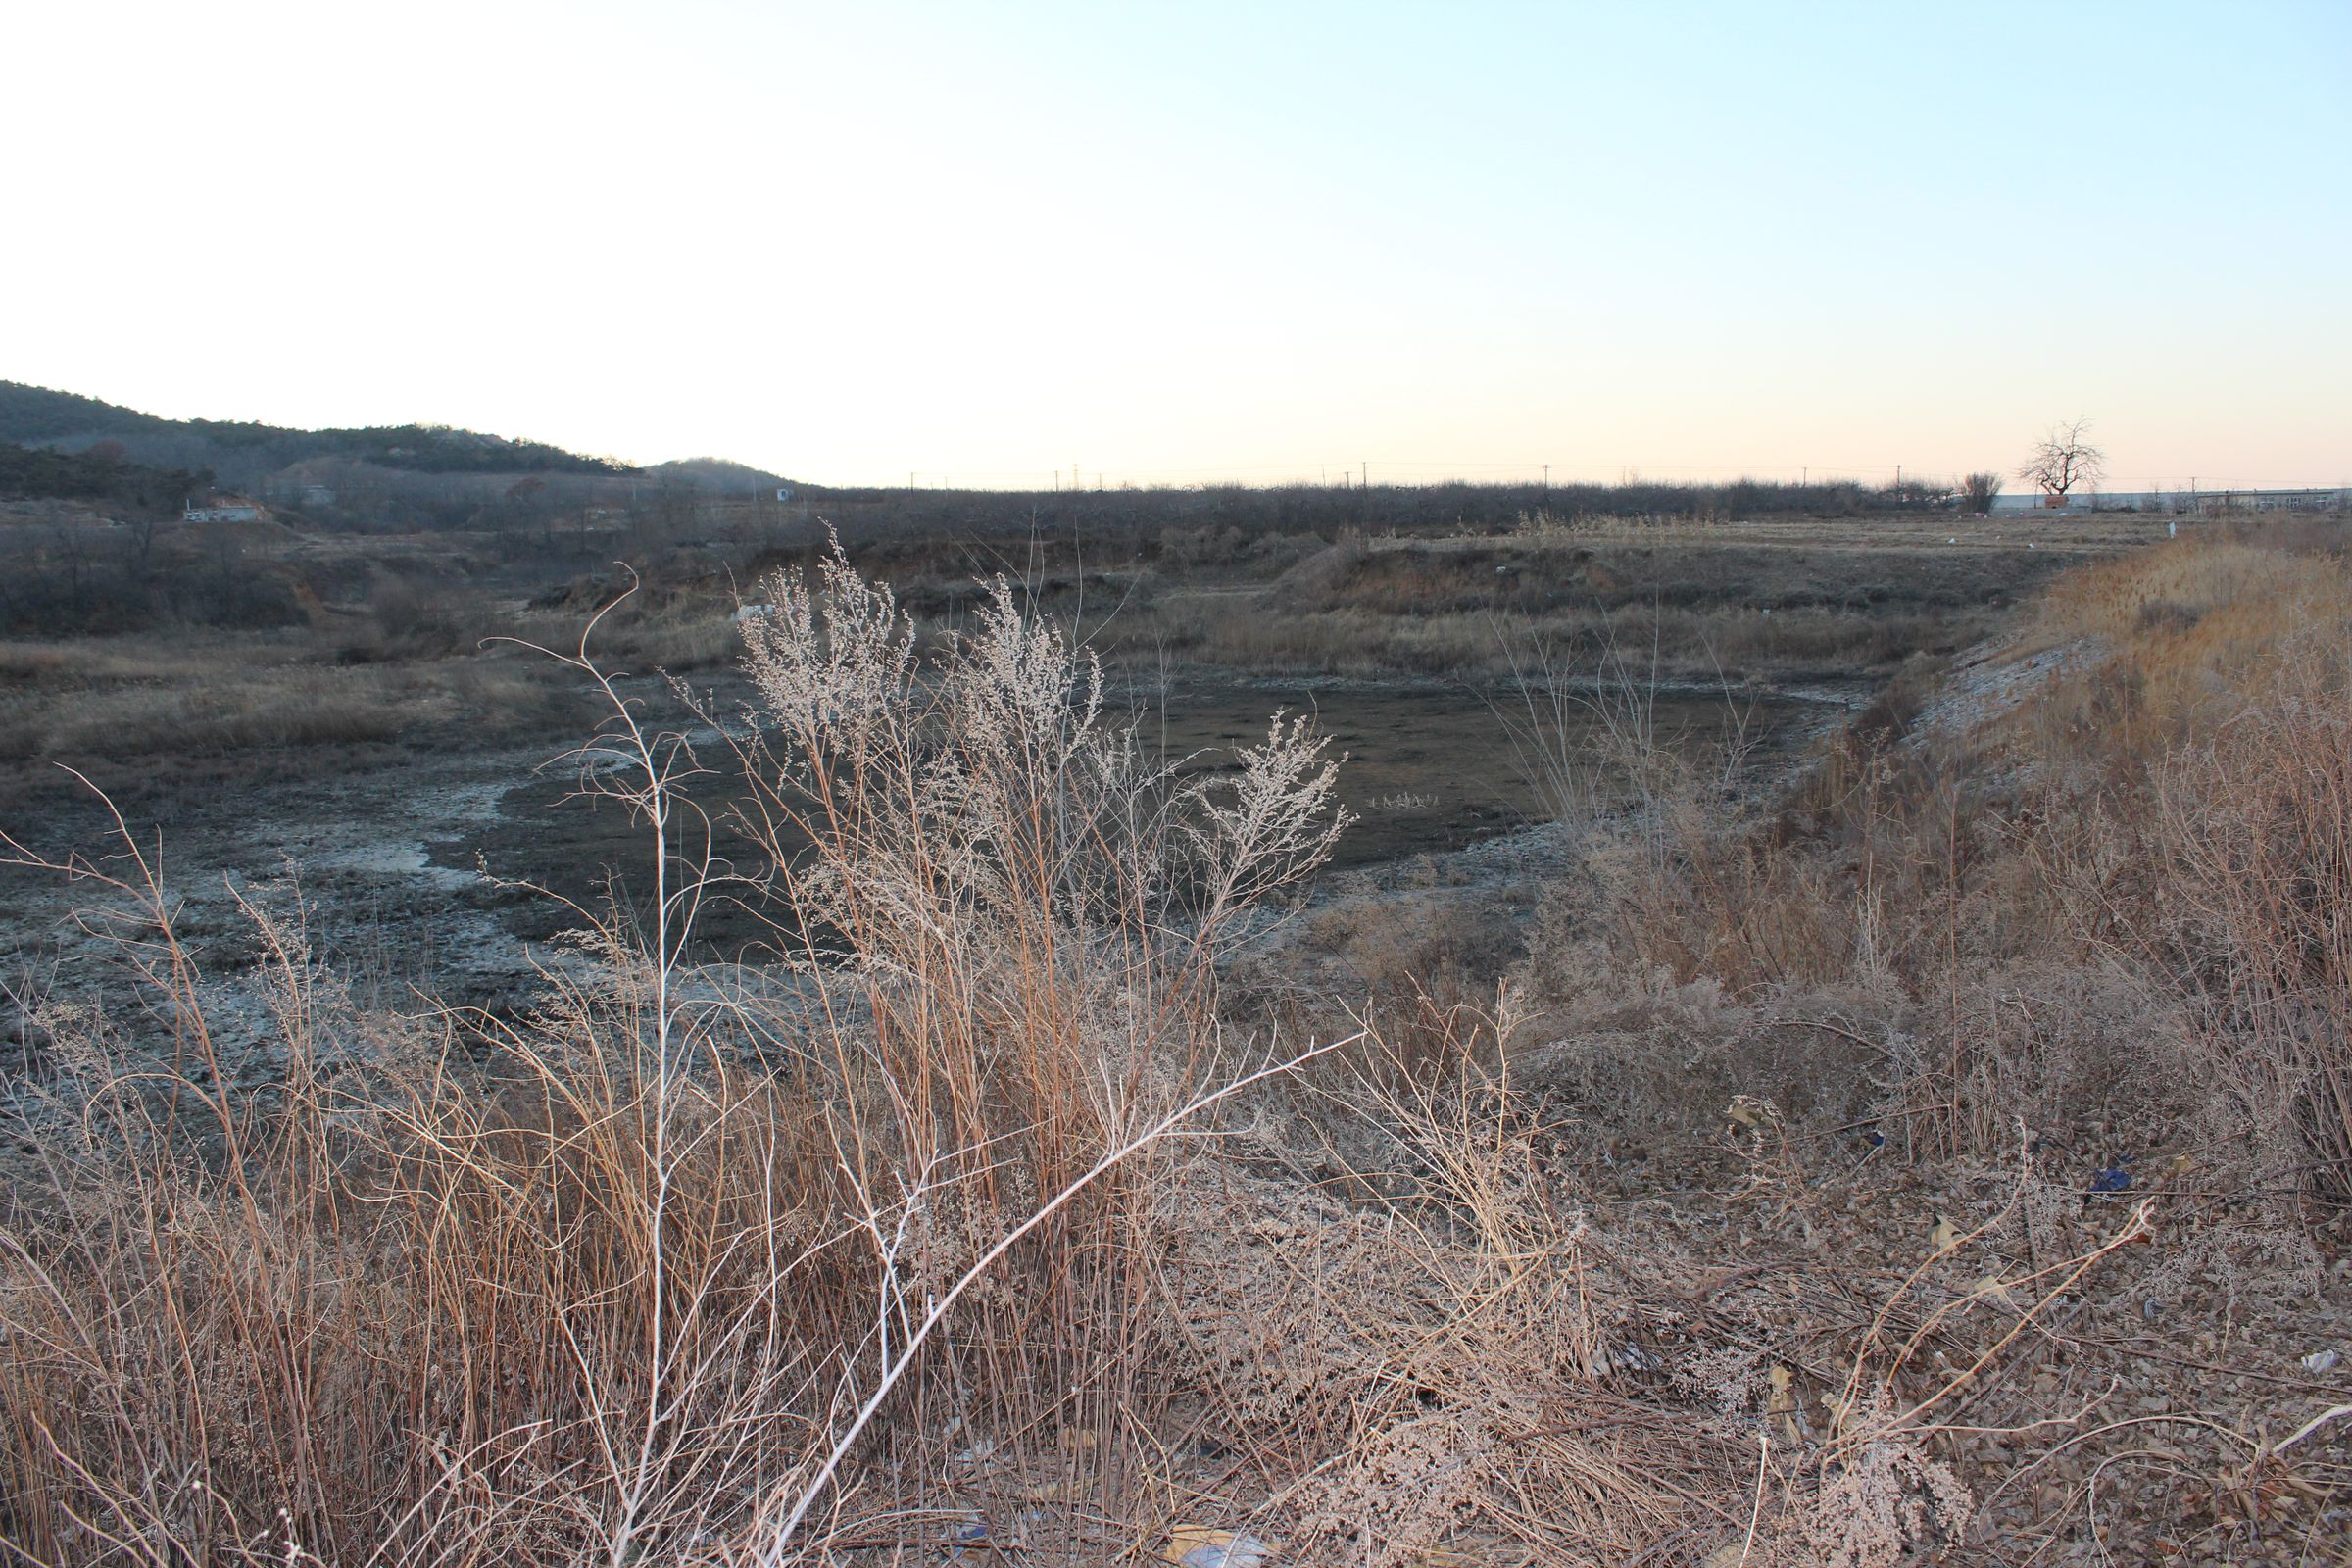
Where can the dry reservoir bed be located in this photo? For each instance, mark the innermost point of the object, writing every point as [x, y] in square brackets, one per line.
[422, 872]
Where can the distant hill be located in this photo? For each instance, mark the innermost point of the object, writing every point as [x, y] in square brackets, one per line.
[377, 477]
[244, 453]
[719, 475]
[30, 415]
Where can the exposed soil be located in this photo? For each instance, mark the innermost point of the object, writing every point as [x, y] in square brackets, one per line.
[449, 868]
[1428, 772]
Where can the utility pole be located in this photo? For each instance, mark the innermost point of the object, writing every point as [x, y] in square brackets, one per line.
[1367, 463]
[1548, 478]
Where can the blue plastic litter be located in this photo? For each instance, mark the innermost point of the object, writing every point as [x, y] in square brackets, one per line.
[2114, 1178]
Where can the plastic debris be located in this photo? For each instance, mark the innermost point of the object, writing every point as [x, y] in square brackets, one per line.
[1200, 1546]
[2114, 1178]
[2321, 1361]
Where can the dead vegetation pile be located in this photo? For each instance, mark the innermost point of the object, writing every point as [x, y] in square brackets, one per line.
[1752, 1224]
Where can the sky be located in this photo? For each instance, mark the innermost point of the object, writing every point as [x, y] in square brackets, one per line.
[980, 244]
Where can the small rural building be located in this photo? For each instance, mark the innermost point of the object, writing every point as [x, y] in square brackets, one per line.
[222, 509]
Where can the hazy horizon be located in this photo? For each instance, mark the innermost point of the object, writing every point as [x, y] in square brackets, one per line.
[1221, 243]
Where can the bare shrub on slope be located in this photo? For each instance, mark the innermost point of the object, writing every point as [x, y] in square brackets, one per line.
[2049, 913]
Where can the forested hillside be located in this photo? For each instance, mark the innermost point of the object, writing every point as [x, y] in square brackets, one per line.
[242, 451]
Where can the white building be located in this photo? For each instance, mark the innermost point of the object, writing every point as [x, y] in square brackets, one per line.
[222, 509]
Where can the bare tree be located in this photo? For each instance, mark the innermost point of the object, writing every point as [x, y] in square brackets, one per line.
[1979, 489]
[2062, 459]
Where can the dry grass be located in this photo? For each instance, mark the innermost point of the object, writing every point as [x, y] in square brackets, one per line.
[613, 1294]
[1693, 645]
[903, 1242]
[85, 700]
[2062, 908]
[1702, 603]
[89, 704]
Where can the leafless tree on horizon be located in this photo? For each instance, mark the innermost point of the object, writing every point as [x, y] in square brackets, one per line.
[2062, 459]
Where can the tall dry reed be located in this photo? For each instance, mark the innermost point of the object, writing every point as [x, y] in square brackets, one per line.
[688, 1263]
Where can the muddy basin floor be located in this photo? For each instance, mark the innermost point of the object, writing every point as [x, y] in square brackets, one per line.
[444, 869]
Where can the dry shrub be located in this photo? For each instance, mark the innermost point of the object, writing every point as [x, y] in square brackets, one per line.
[1693, 643]
[390, 1312]
[1191, 548]
[87, 703]
[2117, 901]
[1441, 1345]
[678, 639]
[635, 1276]
[2253, 846]
[2111, 600]
[272, 705]
[1414, 967]
[1446, 1361]
[1314, 580]
[409, 620]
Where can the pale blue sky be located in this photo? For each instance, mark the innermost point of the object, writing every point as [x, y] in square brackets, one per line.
[1173, 242]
